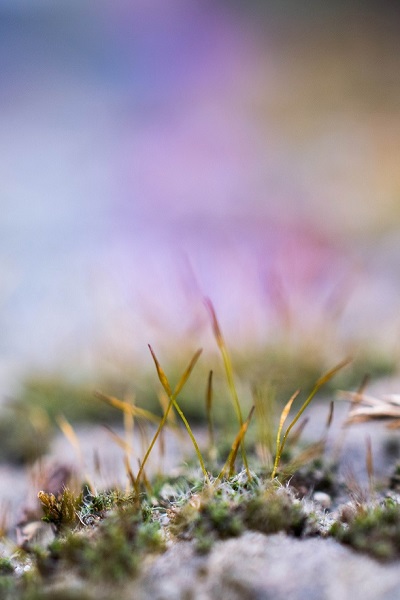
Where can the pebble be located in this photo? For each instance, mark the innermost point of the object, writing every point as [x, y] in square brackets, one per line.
[323, 499]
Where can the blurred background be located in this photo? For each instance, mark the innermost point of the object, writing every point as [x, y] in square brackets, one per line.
[153, 153]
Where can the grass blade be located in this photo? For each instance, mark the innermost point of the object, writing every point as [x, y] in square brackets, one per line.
[128, 408]
[146, 481]
[214, 323]
[329, 374]
[330, 415]
[209, 400]
[264, 414]
[194, 442]
[238, 442]
[282, 420]
[226, 358]
[228, 368]
[161, 375]
[370, 464]
[164, 400]
[172, 398]
[318, 385]
[70, 434]
[186, 374]
[235, 447]
[321, 382]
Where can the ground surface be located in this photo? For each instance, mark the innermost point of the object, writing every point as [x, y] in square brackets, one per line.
[260, 567]
[253, 565]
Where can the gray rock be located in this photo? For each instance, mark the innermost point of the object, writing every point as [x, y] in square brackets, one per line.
[260, 567]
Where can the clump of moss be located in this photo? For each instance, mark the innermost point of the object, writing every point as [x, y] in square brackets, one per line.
[60, 511]
[274, 510]
[99, 537]
[6, 567]
[212, 513]
[110, 552]
[216, 520]
[236, 505]
[94, 507]
[374, 530]
[207, 520]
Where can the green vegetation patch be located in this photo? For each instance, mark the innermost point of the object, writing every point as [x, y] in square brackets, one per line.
[274, 511]
[6, 567]
[24, 437]
[56, 395]
[110, 553]
[109, 545]
[373, 530]
[102, 538]
[28, 422]
[236, 505]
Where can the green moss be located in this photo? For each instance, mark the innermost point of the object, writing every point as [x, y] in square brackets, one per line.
[213, 519]
[6, 567]
[61, 511]
[110, 552]
[238, 504]
[100, 536]
[273, 511]
[94, 507]
[375, 531]
[216, 520]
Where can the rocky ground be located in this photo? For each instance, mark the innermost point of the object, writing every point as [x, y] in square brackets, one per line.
[253, 565]
[260, 567]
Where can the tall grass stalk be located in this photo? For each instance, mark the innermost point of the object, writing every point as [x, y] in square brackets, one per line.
[173, 402]
[235, 447]
[228, 370]
[321, 382]
[210, 425]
